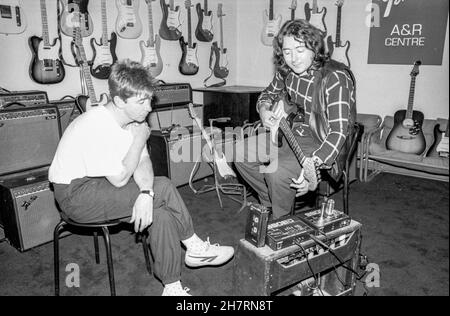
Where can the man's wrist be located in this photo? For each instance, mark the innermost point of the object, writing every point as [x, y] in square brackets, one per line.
[150, 192]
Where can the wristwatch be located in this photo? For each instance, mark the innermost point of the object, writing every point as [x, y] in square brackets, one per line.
[149, 192]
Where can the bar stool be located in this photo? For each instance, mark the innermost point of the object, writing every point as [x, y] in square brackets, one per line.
[105, 226]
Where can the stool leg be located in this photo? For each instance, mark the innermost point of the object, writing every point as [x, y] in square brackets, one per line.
[97, 255]
[109, 260]
[145, 246]
[56, 233]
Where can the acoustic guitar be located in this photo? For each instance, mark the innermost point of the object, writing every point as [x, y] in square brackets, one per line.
[315, 16]
[150, 49]
[46, 66]
[104, 53]
[170, 22]
[189, 63]
[12, 17]
[336, 50]
[271, 26]
[203, 31]
[75, 14]
[441, 142]
[128, 22]
[406, 134]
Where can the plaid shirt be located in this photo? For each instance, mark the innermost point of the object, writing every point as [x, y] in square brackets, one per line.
[339, 95]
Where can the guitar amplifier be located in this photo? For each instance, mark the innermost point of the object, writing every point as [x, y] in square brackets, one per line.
[28, 210]
[68, 111]
[27, 98]
[168, 95]
[28, 137]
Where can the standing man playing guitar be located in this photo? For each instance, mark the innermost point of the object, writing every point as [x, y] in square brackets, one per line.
[102, 171]
[322, 94]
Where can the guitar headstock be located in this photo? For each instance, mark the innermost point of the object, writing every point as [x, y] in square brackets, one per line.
[188, 4]
[415, 70]
[339, 3]
[219, 10]
[293, 5]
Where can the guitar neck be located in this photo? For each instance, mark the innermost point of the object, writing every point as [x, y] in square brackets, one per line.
[271, 10]
[205, 5]
[104, 24]
[171, 5]
[189, 27]
[412, 86]
[338, 26]
[315, 7]
[292, 14]
[285, 128]
[45, 34]
[221, 34]
[151, 34]
[85, 66]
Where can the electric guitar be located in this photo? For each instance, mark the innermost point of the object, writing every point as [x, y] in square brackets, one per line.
[336, 50]
[12, 17]
[188, 64]
[293, 7]
[220, 69]
[220, 160]
[84, 103]
[46, 66]
[170, 23]
[441, 142]
[406, 134]
[150, 49]
[74, 14]
[316, 17]
[128, 22]
[104, 53]
[271, 26]
[283, 125]
[203, 32]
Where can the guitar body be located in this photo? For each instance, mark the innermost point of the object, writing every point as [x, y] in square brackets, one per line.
[151, 57]
[188, 64]
[104, 56]
[170, 23]
[339, 53]
[270, 30]
[12, 17]
[316, 19]
[128, 22]
[407, 135]
[45, 67]
[438, 134]
[220, 62]
[75, 14]
[203, 31]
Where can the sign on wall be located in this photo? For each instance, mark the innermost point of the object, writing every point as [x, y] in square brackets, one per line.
[403, 31]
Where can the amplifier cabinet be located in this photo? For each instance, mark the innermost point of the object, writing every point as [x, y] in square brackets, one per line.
[26, 98]
[27, 209]
[28, 137]
[263, 271]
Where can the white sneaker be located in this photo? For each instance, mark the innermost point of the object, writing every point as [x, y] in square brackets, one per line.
[210, 255]
[176, 290]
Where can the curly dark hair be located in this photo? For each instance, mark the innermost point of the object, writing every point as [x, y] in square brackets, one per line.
[305, 32]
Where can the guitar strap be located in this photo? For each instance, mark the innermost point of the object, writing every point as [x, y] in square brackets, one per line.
[211, 67]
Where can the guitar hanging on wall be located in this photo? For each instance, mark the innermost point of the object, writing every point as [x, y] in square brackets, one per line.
[271, 26]
[104, 53]
[150, 49]
[336, 50]
[170, 22]
[46, 66]
[128, 22]
[316, 17]
[441, 142]
[293, 7]
[406, 134]
[189, 63]
[203, 32]
[84, 103]
[74, 14]
[12, 17]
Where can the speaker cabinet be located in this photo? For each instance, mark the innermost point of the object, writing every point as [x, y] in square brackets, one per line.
[27, 209]
[28, 137]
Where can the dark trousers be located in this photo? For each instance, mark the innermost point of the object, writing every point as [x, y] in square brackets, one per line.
[96, 199]
[269, 170]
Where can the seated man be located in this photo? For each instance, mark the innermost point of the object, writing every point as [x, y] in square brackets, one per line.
[324, 94]
[102, 171]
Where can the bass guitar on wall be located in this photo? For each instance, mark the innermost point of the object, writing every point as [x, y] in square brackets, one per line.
[46, 66]
[189, 63]
[316, 17]
[336, 50]
[150, 49]
[406, 134]
[74, 14]
[271, 26]
[104, 53]
[203, 32]
[128, 22]
[12, 17]
[170, 23]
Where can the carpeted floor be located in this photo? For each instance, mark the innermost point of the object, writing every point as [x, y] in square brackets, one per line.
[405, 232]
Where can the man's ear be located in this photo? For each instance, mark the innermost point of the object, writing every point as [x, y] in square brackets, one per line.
[119, 102]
